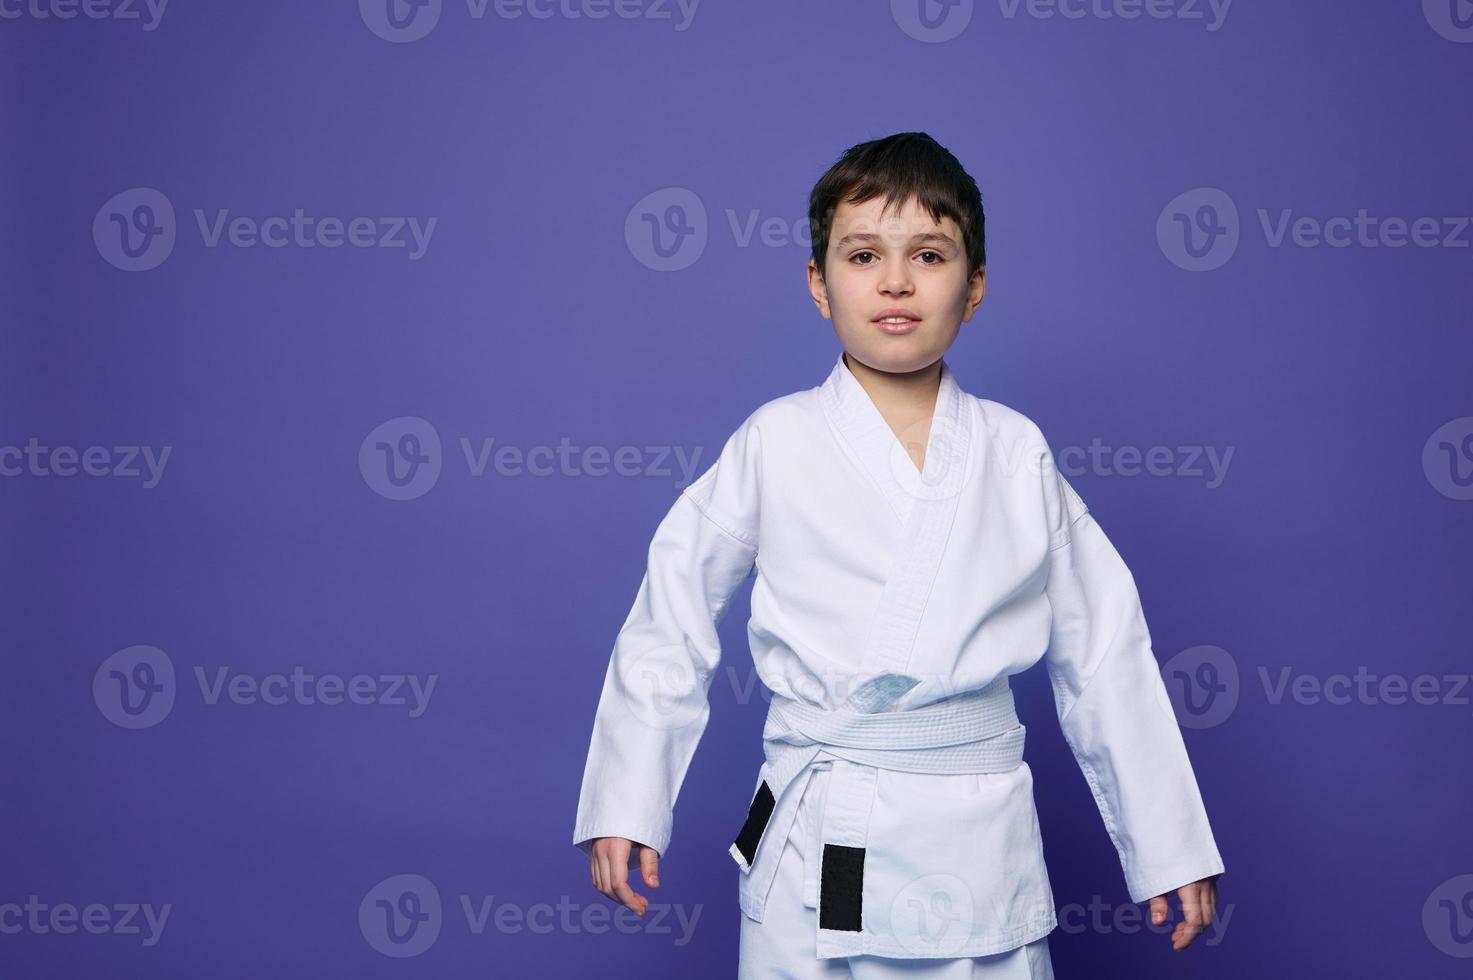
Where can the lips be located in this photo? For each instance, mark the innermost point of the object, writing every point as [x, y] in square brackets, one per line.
[897, 321]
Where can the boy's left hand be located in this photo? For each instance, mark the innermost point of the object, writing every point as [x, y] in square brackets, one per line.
[1198, 906]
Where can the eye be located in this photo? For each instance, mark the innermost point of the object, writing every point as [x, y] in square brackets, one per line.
[939, 257]
[858, 254]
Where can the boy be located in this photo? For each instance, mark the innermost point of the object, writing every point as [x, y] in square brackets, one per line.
[915, 545]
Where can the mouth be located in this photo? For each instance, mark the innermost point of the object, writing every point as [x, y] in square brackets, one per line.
[897, 321]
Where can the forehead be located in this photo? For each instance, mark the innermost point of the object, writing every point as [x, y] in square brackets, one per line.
[899, 222]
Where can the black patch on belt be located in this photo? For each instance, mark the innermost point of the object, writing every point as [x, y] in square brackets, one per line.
[757, 816]
[841, 889]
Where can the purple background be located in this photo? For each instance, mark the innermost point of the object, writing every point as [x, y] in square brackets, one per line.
[1328, 547]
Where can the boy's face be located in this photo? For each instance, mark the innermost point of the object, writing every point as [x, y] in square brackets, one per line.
[902, 261]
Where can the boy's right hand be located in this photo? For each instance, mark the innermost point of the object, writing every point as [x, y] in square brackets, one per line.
[609, 865]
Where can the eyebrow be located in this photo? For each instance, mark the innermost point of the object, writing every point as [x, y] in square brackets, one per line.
[929, 237]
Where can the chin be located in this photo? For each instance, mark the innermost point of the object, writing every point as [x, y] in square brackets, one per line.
[896, 355]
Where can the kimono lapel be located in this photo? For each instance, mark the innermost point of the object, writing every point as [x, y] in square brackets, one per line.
[924, 505]
[923, 502]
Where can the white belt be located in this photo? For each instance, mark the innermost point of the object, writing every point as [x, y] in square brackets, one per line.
[975, 732]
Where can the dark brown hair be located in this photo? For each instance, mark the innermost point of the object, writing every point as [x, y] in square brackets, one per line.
[901, 167]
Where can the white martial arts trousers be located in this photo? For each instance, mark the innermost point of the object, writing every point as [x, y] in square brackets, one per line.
[782, 945]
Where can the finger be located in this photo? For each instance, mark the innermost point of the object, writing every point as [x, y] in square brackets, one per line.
[626, 895]
[1199, 901]
[618, 880]
[615, 859]
[1192, 923]
[611, 853]
[649, 859]
[1158, 910]
[601, 869]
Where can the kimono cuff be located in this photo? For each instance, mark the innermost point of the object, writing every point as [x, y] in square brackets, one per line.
[657, 838]
[1167, 882]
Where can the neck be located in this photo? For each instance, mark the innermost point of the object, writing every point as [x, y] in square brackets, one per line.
[911, 392]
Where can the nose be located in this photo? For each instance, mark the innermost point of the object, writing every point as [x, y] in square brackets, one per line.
[896, 279]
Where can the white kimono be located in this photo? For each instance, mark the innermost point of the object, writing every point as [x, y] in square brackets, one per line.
[888, 610]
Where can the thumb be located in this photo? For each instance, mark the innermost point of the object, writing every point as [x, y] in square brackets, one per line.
[649, 864]
[1158, 909]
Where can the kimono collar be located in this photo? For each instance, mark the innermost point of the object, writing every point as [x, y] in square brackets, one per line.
[872, 444]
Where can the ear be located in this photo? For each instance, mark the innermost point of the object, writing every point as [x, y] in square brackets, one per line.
[817, 288]
[976, 290]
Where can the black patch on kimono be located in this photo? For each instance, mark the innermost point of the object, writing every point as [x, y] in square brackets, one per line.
[757, 816]
[841, 888]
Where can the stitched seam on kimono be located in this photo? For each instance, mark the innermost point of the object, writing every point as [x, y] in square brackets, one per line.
[1067, 535]
[1107, 814]
[741, 536]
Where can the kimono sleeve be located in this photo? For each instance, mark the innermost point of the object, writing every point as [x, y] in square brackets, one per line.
[653, 708]
[1113, 706]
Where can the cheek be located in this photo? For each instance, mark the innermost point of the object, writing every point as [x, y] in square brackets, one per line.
[846, 301]
[954, 290]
